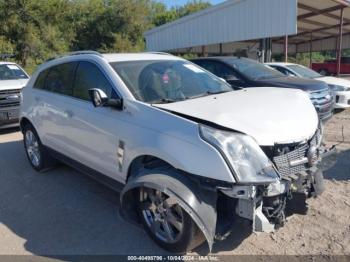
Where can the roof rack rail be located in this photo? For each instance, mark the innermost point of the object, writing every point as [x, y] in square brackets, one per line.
[83, 52]
[160, 53]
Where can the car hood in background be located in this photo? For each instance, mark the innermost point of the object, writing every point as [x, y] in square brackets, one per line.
[12, 84]
[330, 80]
[294, 82]
[270, 115]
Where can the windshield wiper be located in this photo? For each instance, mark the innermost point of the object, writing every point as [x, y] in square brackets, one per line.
[164, 101]
[217, 92]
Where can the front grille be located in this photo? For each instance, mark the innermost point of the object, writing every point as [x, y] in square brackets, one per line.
[6, 100]
[337, 99]
[10, 92]
[320, 98]
[282, 162]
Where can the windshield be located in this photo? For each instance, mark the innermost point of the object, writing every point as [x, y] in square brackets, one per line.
[304, 71]
[252, 69]
[168, 81]
[11, 72]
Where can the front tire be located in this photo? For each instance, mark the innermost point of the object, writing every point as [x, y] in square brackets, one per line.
[38, 156]
[166, 222]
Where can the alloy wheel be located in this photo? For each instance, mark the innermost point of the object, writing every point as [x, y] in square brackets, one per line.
[32, 147]
[162, 214]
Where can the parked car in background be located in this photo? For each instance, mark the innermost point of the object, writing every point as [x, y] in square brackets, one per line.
[329, 67]
[12, 79]
[189, 153]
[340, 87]
[244, 72]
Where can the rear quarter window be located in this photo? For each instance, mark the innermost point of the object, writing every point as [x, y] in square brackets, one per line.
[40, 80]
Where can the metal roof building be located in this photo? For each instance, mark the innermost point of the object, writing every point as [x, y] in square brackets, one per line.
[231, 21]
[271, 26]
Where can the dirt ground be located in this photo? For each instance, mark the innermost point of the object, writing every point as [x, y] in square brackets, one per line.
[63, 212]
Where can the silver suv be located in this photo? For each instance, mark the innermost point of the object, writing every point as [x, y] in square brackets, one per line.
[189, 154]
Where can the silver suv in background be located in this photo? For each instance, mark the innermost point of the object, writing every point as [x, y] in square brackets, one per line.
[189, 154]
[12, 79]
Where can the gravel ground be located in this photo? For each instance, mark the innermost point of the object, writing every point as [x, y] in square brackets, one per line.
[63, 212]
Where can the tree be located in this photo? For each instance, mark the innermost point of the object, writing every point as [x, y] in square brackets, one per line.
[164, 16]
[35, 30]
[114, 25]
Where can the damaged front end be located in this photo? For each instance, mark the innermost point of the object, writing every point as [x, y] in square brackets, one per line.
[299, 167]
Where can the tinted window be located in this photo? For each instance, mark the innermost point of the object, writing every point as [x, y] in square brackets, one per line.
[282, 70]
[89, 76]
[252, 69]
[40, 81]
[217, 68]
[60, 79]
[11, 72]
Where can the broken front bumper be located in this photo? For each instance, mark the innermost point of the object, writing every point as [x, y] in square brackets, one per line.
[265, 205]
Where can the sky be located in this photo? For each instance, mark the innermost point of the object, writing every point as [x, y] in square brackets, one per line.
[171, 3]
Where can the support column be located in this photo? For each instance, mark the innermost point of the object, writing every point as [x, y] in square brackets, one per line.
[340, 41]
[220, 48]
[286, 48]
[310, 50]
[268, 55]
[204, 52]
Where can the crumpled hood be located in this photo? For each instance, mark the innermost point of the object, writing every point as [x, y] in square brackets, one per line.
[270, 115]
[330, 80]
[12, 84]
[304, 84]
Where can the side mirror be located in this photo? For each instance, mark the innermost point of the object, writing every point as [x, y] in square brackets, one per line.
[100, 99]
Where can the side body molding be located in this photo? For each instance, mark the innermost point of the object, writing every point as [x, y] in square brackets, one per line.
[198, 202]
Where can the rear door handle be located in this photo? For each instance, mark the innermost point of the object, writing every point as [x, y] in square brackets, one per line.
[37, 98]
[69, 113]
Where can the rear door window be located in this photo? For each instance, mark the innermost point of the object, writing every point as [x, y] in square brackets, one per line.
[60, 79]
[283, 70]
[217, 68]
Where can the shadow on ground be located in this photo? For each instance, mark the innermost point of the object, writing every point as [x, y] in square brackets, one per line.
[9, 130]
[62, 212]
[341, 170]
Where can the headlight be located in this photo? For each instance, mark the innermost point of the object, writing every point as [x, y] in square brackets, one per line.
[244, 156]
[337, 88]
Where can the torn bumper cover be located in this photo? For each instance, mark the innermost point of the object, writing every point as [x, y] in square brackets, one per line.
[265, 205]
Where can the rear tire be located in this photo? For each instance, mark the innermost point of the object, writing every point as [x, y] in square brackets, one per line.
[166, 222]
[38, 156]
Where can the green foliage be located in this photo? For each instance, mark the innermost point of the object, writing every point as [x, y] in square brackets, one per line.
[163, 16]
[304, 58]
[35, 30]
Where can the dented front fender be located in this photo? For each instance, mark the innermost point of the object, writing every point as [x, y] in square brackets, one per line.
[198, 202]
